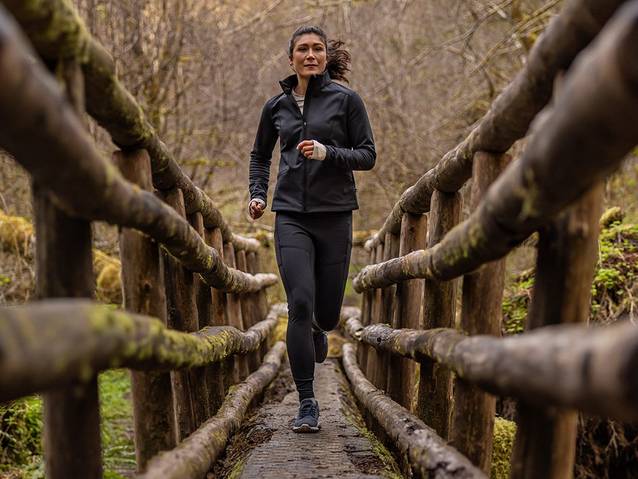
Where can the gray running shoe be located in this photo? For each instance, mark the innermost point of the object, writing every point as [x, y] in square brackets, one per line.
[320, 339]
[307, 419]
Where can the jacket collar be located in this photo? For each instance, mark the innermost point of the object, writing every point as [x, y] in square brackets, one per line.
[316, 82]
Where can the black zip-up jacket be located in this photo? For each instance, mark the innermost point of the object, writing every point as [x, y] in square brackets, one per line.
[334, 116]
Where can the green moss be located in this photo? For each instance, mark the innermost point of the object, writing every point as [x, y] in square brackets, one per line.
[116, 414]
[237, 469]
[504, 433]
[21, 431]
[350, 411]
[616, 271]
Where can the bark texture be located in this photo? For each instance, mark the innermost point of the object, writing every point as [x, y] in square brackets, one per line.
[194, 457]
[71, 416]
[428, 454]
[143, 288]
[434, 400]
[567, 255]
[482, 298]
[569, 366]
[593, 124]
[511, 114]
[49, 140]
[57, 32]
[92, 337]
[407, 313]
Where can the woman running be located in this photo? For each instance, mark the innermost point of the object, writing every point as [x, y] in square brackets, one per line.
[324, 135]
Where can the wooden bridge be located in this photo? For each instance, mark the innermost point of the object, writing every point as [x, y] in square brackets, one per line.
[197, 329]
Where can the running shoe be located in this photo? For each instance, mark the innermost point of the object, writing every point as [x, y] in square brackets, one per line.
[307, 419]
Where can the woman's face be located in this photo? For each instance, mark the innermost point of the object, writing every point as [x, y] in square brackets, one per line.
[308, 55]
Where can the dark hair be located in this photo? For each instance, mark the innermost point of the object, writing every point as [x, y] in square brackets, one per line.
[338, 58]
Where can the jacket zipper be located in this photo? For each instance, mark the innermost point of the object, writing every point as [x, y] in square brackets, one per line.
[306, 104]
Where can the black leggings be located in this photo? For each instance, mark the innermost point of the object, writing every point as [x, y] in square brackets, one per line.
[313, 254]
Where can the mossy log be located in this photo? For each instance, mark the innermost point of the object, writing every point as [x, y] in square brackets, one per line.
[57, 32]
[49, 140]
[429, 455]
[570, 366]
[510, 115]
[53, 343]
[194, 457]
[593, 124]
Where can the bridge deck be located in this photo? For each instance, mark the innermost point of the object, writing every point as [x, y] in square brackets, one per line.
[342, 449]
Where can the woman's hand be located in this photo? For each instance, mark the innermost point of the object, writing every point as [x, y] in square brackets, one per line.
[312, 149]
[256, 209]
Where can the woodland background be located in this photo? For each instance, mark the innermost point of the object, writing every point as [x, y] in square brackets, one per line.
[426, 69]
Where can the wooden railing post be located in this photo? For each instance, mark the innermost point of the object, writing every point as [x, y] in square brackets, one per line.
[439, 307]
[248, 310]
[388, 294]
[182, 316]
[143, 290]
[567, 253]
[474, 410]
[217, 378]
[235, 319]
[202, 295]
[376, 317]
[261, 299]
[407, 310]
[64, 268]
[366, 313]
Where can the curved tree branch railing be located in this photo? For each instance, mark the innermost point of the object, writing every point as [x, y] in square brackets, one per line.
[567, 366]
[58, 33]
[592, 125]
[429, 454]
[90, 338]
[512, 112]
[48, 139]
[204, 287]
[553, 188]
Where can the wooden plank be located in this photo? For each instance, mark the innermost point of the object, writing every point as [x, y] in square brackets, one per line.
[253, 261]
[202, 296]
[474, 410]
[143, 290]
[182, 316]
[407, 312]
[567, 254]
[249, 311]
[366, 312]
[216, 374]
[376, 317]
[434, 397]
[64, 268]
[233, 308]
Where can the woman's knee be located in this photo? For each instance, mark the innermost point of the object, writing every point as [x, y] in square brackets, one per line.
[300, 306]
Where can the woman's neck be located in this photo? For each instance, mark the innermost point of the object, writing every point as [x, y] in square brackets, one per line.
[302, 85]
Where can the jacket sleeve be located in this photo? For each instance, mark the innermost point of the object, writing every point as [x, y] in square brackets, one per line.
[362, 155]
[261, 155]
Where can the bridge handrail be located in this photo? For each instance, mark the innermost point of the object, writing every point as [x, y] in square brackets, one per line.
[58, 33]
[512, 112]
[532, 366]
[428, 454]
[196, 455]
[91, 338]
[588, 130]
[64, 154]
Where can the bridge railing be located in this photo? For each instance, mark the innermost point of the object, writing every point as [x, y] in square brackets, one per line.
[181, 264]
[555, 188]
